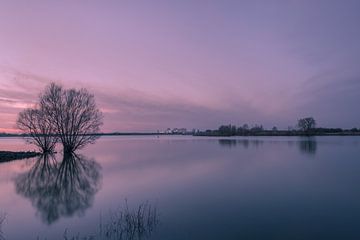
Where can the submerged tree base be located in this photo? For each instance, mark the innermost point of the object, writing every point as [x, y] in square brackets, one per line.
[6, 156]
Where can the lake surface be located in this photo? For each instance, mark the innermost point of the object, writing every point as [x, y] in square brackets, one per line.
[201, 188]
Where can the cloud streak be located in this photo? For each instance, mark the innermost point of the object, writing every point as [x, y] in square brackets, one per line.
[126, 110]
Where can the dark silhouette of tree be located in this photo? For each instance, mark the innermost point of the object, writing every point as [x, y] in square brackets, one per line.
[256, 128]
[66, 115]
[37, 126]
[307, 127]
[60, 189]
[74, 115]
[244, 130]
[306, 124]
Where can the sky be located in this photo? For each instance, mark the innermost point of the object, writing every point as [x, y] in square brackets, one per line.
[190, 63]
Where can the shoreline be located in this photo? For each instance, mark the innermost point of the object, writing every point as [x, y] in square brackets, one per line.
[7, 156]
[280, 135]
[203, 134]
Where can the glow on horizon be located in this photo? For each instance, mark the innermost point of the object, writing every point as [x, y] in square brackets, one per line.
[187, 64]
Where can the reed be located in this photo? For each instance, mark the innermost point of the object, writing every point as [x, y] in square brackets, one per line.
[125, 224]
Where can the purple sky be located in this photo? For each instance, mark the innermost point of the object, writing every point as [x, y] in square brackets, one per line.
[194, 64]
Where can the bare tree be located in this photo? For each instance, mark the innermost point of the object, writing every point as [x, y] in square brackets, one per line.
[73, 114]
[66, 115]
[38, 128]
[306, 124]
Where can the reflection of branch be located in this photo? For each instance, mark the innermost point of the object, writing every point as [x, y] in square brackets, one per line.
[2, 219]
[60, 189]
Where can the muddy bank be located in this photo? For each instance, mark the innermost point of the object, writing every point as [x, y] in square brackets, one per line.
[6, 156]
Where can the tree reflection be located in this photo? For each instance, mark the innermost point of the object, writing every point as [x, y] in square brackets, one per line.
[239, 142]
[60, 189]
[227, 143]
[308, 145]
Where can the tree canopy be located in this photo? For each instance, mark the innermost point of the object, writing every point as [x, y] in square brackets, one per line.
[306, 124]
[69, 116]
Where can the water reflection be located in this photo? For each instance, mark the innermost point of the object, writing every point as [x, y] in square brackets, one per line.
[240, 142]
[308, 145]
[60, 189]
[2, 219]
[227, 143]
[234, 143]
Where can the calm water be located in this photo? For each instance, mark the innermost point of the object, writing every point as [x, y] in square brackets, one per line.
[202, 188]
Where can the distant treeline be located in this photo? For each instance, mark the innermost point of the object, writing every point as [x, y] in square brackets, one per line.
[258, 130]
[304, 127]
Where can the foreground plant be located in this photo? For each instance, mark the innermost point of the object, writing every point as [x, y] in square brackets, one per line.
[125, 224]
